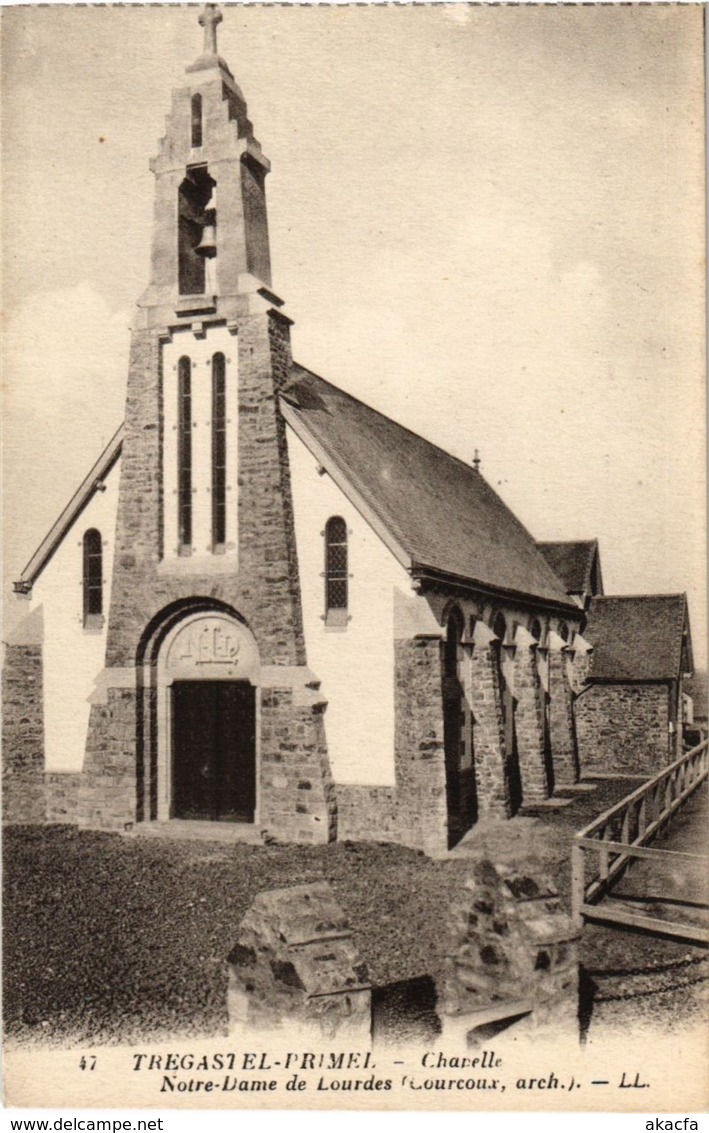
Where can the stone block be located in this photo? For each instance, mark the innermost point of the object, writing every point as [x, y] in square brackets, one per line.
[511, 948]
[295, 964]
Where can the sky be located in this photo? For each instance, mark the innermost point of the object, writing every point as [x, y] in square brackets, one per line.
[487, 222]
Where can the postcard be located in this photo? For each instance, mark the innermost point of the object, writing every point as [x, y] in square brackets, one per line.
[355, 715]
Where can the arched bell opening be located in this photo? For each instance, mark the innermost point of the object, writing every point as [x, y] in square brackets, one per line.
[199, 717]
[461, 795]
[196, 230]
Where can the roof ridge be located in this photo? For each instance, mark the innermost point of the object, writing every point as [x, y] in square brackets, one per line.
[565, 542]
[635, 597]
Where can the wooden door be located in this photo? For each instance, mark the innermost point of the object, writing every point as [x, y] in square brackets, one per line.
[214, 750]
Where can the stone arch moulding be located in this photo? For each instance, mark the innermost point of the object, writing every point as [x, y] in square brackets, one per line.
[197, 641]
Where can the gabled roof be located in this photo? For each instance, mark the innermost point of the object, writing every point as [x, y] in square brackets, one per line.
[574, 564]
[437, 513]
[638, 637]
[73, 509]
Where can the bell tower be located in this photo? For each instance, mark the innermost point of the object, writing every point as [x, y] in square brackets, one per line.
[210, 237]
[205, 516]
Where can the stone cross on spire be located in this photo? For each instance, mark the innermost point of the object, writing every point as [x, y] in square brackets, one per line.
[211, 16]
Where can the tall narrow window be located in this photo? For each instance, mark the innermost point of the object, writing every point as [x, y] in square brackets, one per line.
[93, 576]
[336, 572]
[218, 450]
[184, 452]
[196, 120]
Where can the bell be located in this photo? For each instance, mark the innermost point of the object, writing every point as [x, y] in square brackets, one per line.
[208, 244]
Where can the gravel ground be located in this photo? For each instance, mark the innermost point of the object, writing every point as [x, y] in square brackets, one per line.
[123, 940]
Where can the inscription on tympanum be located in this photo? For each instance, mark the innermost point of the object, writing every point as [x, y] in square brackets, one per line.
[213, 645]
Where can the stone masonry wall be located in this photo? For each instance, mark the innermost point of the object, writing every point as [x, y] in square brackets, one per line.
[62, 791]
[297, 794]
[371, 814]
[108, 791]
[23, 735]
[623, 728]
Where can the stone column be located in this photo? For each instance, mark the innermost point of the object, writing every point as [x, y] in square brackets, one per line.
[562, 731]
[529, 719]
[419, 751]
[488, 736]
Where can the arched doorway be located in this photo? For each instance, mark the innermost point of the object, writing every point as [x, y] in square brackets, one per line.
[511, 756]
[461, 799]
[206, 715]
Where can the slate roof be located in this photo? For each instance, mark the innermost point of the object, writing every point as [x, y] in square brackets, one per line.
[572, 562]
[440, 513]
[637, 637]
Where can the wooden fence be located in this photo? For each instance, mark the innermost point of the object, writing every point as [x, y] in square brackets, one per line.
[607, 845]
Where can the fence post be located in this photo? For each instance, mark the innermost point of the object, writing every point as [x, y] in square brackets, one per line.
[603, 856]
[625, 828]
[578, 884]
[642, 819]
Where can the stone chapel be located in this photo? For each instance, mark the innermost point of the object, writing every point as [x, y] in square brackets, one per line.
[269, 605]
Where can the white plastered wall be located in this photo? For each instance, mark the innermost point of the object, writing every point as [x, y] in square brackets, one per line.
[72, 656]
[356, 664]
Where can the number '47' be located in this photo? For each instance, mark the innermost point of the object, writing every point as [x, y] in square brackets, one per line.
[88, 1063]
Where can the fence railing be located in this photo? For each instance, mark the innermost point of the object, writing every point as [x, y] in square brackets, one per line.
[604, 848]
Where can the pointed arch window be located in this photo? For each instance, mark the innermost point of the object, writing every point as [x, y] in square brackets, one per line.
[93, 578]
[196, 123]
[336, 576]
[218, 451]
[184, 453]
